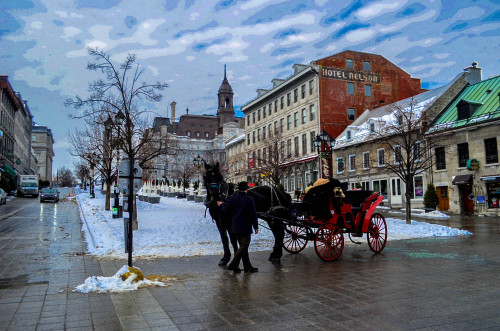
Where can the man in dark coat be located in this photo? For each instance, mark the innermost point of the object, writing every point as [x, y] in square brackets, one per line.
[241, 207]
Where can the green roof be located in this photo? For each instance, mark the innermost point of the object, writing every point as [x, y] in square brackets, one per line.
[484, 95]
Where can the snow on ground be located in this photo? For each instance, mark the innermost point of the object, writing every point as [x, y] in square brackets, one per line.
[177, 227]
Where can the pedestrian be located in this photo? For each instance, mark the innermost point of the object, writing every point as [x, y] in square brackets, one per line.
[241, 207]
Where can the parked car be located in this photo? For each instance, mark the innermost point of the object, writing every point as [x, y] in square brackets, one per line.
[12, 193]
[3, 197]
[49, 194]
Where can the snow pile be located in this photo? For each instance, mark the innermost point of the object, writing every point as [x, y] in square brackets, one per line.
[114, 284]
[177, 227]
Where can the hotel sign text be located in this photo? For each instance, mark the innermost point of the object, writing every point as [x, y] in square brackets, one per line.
[350, 75]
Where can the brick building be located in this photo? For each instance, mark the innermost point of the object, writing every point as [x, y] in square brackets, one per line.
[329, 94]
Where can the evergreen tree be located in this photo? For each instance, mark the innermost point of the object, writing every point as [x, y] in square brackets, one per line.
[431, 199]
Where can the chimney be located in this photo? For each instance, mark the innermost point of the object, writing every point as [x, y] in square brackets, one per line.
[172, 107]
[475, 74]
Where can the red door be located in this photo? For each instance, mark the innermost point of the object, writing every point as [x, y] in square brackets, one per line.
[466, 199]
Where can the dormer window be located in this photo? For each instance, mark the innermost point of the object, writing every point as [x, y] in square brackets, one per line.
[466, 108]
[371, 125]
[399, 119]
[348, 135]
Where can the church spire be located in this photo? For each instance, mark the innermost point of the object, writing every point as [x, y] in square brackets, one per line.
[225, 77]
[225, 111]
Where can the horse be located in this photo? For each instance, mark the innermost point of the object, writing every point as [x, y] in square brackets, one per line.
[272, 205]
[219, 190]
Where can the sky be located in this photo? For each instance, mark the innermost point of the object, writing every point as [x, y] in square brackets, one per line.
[186, 43]
[179, 228]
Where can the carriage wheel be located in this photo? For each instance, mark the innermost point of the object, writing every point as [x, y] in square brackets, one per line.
[377, 233]
[292, 243]
[329, 242]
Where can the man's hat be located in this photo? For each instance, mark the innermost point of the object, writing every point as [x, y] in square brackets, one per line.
[242, 186]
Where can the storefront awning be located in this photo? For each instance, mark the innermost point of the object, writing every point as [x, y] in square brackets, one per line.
[462, 179]
[491, 178]
[5, 168]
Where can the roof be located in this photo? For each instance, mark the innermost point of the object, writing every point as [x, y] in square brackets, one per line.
[485, 95]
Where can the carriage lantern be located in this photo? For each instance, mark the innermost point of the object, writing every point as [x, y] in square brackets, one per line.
[324, 144]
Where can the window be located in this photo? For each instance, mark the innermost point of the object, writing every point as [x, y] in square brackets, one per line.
[365, 186]
[367, 66]
[348, 135]
[418, 187]
[282, 102]
[33, 138]
[493, 191]
[296, 119]
[248, 120]
[380, 186]
[463, 110]
[352, 162]
[258, 115]
[312, 135]
[398, 157]
[264, 154]
[264, 112]
[264, 133]
[368, 90]
[289, 148]
[303, 91]
[396, 186]
[282, 147]
[312, 112]
[366, 160]
[304, 144]
[270, 109]
[463, 154]
[248, 139]
[288, 99]
[416, 151]
[372, 127]
[491, 150]
[275, 106]
[349, 64]
[381, 157]
[188, 133]
[253, 117]
[282, 125]
[258, 158]
[270, 153]
[304, 116]
[296, 145]
[350, 88]
[206, 134]
[440, 158]
[289, 122]
[399, 119]
[295, 95]
[253, 137]
[311, 87]
[340, 165]
[351, 114]
[258, 134]
[270, 128]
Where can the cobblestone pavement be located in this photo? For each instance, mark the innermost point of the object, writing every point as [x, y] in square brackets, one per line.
[431, 283]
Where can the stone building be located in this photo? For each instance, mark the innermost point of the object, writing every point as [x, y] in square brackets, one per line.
[235, 159]
[9, 106]
[22, 146]
[42, 142]
[466, 171]
[362, 158]
[328, 94]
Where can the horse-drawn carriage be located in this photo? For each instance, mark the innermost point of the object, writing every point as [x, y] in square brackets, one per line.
[326, 213]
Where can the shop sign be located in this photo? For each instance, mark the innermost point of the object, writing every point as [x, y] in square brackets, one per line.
[349, 75]
[480, 199]
[472, 164]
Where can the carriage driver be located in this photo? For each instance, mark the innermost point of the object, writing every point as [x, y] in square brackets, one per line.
[241, 207]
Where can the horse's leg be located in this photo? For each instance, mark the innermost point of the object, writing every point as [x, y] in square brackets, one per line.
[278, 230]
[225, 241]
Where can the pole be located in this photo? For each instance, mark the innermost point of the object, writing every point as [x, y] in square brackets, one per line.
[130, 210]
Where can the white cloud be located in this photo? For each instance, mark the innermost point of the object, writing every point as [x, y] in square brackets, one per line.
[257, 3]
[398, 25]
[154, 70]
[431, 69]
[36, 25]
[194, 16]
[379, 8]
[267, 47]
[416, 59]
[359, 35]
[190, 58]
[441, 56]
[70, 31]
[301, 38]
[468, 13]
[245, 77]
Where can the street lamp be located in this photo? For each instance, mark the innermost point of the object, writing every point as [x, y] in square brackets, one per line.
[324, 144]
[197, 162]
[93, 158]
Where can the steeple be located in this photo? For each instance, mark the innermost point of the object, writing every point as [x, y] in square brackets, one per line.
[225, 111]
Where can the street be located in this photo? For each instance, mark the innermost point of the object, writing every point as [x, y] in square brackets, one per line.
[430, 283]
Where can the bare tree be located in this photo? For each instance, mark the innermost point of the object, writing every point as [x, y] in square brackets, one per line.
[410, 154]
[82, 172]
[66, 177]
[117, 96]
[271, 162]
[184, 173]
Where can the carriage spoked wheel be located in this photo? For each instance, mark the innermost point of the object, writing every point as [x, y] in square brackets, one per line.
[377, 233]
[329, 242]
[293, 241]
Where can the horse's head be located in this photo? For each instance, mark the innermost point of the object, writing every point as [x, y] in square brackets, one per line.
[213, 181]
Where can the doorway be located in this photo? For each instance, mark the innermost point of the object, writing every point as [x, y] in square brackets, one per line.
[396, 198]
[444, 200]
[466, 199]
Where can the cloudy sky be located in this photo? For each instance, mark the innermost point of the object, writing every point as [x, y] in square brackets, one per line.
[187, 42]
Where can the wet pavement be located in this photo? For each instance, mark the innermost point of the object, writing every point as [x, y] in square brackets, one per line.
[432, 283]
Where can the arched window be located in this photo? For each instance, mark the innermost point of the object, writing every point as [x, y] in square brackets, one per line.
[188, 133]
[226, 105]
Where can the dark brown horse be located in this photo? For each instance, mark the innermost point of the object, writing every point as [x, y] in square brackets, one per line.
[272, 205]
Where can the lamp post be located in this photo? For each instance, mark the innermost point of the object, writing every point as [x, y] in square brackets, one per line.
[197, 162]
[324, 144]
[93, 157]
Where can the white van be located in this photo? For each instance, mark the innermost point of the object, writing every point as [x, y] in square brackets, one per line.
[28, 186]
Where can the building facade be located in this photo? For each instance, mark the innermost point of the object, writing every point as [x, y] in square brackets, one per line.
[22, 147]
[9, 106]
[42, 142]
[466, 169]
[328, 94]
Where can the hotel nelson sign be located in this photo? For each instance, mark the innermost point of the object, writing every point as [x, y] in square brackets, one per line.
[350, 75]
